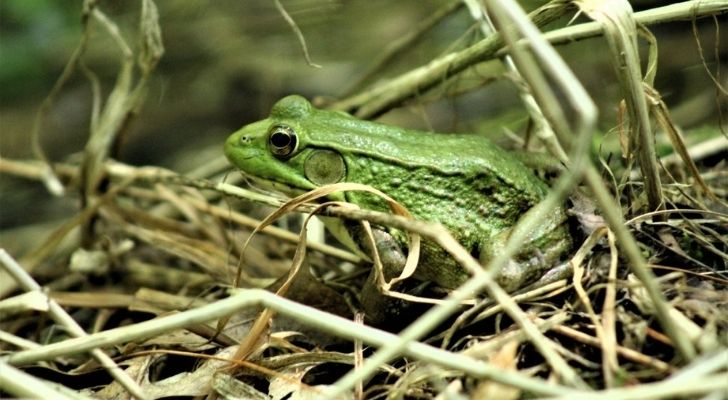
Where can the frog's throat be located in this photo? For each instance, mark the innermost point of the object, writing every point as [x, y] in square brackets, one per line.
[334, 224]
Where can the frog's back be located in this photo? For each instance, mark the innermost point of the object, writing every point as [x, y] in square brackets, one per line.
[453, 154]
[463, 181]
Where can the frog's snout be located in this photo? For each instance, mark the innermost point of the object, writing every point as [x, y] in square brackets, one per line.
[239, 140]
[232, 146]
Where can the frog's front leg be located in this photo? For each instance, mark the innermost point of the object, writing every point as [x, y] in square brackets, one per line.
[378, 307]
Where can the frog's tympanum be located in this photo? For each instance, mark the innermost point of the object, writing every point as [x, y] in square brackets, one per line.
[473, 187]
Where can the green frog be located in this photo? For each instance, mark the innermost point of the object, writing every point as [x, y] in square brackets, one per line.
[464, 181]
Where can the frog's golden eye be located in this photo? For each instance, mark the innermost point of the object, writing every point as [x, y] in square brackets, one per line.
[282, 141]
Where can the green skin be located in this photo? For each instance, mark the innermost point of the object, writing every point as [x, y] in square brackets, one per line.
[467, 183]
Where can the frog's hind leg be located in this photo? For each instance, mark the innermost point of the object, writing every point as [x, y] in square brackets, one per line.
[540, 253]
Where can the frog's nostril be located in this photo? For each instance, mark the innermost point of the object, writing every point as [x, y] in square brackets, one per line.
[245, 139]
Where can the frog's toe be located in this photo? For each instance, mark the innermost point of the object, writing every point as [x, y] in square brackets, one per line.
[558, 272]
[513, 275]
[539, 256]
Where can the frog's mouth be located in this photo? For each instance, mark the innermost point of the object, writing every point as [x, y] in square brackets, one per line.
[264, 184]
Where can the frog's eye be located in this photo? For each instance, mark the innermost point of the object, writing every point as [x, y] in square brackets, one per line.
[282, 141]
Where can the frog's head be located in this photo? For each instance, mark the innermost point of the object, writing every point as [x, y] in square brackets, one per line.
[276, 151]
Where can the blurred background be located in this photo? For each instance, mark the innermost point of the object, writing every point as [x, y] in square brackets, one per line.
[226, 63]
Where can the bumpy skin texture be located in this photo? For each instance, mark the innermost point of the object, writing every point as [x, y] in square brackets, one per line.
[473, 187]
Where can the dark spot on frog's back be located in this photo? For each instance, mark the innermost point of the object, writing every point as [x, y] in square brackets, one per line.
[291, 107]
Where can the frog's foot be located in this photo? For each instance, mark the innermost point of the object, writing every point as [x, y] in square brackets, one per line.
[379, 308]
[537, 270]
[558, 272]
[515, 275]
[389, 312]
